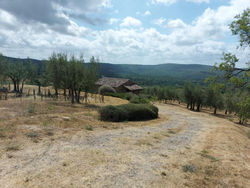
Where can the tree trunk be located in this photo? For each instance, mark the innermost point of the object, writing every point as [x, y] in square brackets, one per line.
[49, 94]
[39, 89]
[72, 96]
[22, 87]
[69, 92]
[56, 92]
[17, 85]
[198, 108]
[15, 88]
[215, 109]
[78, 96]
[86, 97]
[34, 94]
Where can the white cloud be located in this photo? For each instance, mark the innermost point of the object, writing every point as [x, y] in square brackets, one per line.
[113, 21]
[130, 22]
[160, 21]
[147, 13]
[6, 19]
[176, 24]
[198, 42]
[166, 2]
[199, 1]
[170, 2]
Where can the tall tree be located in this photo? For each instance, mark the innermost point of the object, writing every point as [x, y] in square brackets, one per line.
[54, 72]
[2, 70]
[19, 72]
[90, 77]
[234, 79]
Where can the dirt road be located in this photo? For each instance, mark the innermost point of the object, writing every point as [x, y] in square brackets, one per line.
[189, 150]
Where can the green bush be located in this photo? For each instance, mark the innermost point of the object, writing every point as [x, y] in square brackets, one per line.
[118, 95]
[128, 112]
[129, 96]
[139, 100]
[113, 113]
[133, 98]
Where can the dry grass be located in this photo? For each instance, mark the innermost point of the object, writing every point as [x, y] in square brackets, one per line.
[52, 143]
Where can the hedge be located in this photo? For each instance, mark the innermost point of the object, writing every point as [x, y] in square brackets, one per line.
[128, 112]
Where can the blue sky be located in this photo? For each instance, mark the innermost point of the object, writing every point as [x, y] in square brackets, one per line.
[122, 31]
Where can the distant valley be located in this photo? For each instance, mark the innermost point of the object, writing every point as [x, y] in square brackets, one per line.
[163, 74]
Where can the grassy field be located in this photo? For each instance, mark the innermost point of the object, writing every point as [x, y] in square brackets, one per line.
[51, 143]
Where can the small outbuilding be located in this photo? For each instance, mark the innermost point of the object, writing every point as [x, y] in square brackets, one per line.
[120, 85]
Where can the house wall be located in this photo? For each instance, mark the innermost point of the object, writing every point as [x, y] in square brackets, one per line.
[137, 92]
[121, 89]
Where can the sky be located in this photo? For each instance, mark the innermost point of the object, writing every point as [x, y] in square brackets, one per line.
[122, 31]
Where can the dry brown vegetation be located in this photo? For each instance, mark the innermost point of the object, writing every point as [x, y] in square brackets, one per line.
[52, 143]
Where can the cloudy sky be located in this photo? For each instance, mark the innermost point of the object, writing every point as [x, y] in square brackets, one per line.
[121, 31]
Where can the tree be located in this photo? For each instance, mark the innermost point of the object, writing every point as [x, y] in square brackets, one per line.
[72, 74]
[54, 72]
[90, 77]
[239, 77]
[2, 70]
[198, 97]
[214, 99]
[75, 78]
[41, 78]
[29, 73]
[243, 110]
[236, 80]
[189, 95]
[19, 72]
[230, 102]
[241, 26]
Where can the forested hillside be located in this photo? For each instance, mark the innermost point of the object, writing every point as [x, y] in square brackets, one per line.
[163, 74]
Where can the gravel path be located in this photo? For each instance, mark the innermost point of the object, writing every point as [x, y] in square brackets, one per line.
[128, 157]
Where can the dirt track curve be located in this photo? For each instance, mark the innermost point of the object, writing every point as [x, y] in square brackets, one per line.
[146, 156]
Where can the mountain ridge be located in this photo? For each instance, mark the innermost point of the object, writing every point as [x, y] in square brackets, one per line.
[161, 74]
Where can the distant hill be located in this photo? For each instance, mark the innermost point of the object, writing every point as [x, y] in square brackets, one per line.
[162, 74]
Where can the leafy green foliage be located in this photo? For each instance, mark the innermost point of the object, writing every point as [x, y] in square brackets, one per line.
[241, 26]
[139, 100]
[162, 93]
[233, 83]
[214, 99]
[128, 112]
[18, 72]
[118, 95]
[72, 74]
[243, 110]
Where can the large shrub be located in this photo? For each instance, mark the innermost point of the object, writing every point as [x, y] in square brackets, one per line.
[128, 112]
[113, 113]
